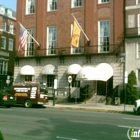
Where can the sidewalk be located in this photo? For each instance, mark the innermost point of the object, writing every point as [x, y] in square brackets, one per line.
[100, 107]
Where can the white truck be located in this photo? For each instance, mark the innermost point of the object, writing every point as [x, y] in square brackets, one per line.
[136, 108]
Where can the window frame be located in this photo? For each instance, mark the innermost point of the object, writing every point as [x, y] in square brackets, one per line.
[138, 50]
[29, 48]
[103, 39]
[3, 67]
[28, 78]
[138, 75]
[54, 5]
[51, 39]
[77, 2]
[138, 22]
[10, 47]
[50, 80]
[30, 8]
[4, 25]
[103, 1]
[137, 2]
[3, 44]
[11, 28]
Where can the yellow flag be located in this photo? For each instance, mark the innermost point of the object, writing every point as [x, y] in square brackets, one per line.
[75, 35]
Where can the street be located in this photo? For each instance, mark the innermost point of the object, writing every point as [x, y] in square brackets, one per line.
[19, 123]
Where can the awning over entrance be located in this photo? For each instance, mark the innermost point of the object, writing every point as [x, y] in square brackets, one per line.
[104, 71]
[48, 70]
[86, 73]
[74, 69]
[101, 72]
[27, 70]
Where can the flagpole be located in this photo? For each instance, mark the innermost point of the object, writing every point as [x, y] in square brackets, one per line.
[30, 34]
[80, 27]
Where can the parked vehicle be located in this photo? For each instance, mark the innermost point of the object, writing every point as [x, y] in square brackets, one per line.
[29, 94]
[6, 99]
[136, 108]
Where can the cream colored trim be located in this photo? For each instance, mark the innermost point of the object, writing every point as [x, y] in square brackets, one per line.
[132, 7]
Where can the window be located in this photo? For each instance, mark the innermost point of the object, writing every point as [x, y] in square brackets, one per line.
[138, 75]
[28, 78]
[103, 1]
[138, 50]
[74, 82]
[3, 67]
[30, 6]
[11, 28]
[138, 20]
[50, 80]
[104, 35]
[52, 5]
[11, 44]
[79, 49]
[137, 1]
[29, 50]
[3, 42]
[76, 3]
[52, 38]
[4, 25]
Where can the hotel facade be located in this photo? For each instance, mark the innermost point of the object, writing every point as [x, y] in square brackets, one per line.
[97, 64]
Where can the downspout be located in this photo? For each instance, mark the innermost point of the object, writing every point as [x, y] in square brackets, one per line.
[124, 49]
[84, 18]
[113, 22]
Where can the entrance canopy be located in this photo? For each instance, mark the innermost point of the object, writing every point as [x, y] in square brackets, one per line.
[104, 71]
[86, 73]
[101, 72]
[48, 70]
[27, 70]
[74, 69]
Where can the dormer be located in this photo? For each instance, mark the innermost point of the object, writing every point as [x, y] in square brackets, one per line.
[2, 9]
[9, 12]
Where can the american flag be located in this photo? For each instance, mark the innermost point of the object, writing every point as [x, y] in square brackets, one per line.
[23, 37]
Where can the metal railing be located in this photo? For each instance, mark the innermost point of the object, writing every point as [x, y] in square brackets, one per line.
[96, 49]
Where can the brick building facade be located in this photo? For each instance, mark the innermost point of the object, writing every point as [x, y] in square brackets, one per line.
[51, 24]
[7, 45]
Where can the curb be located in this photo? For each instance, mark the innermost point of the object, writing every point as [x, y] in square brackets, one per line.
[87, 109]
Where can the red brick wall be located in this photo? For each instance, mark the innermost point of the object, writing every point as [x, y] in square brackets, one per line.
[89, 15]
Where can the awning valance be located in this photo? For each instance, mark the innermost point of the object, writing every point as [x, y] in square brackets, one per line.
[48, 70]
[101, 72]
[74, 69]
[27, 70]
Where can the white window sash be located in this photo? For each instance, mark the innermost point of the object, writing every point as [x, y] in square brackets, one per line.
[51, 39]
[29, 48]
[51, 6]
[11, 44]
[100, 49]
[4, 42]
[30, 5]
